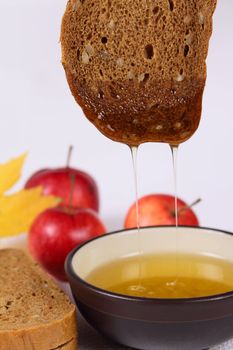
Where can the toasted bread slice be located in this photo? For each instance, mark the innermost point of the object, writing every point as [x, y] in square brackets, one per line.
[137, 67]
[35, 314]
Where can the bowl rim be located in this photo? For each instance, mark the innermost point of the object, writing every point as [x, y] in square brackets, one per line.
[70, 272]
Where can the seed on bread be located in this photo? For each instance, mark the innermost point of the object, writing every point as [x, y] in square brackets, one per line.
[85, 57]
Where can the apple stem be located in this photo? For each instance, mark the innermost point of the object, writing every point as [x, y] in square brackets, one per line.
[189, 206]
[72, 181]
[70, 152]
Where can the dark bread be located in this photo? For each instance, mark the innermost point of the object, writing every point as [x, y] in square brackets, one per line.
[137, 67]
[35, 314]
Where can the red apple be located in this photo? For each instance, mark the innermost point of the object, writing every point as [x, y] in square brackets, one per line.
[159, 209]
[55, 232]
[76, 188]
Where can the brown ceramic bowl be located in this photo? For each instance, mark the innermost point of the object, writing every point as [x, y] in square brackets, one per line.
[153, 324]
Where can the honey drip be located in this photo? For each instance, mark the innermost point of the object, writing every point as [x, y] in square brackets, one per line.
[134, 154]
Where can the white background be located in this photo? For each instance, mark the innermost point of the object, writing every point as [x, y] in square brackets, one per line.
[38, 114]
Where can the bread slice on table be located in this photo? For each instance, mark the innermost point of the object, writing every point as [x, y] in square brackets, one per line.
[137, 67]
[35, 314]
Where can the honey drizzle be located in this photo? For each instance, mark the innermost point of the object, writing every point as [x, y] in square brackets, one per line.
[134, 154]
[174, 151]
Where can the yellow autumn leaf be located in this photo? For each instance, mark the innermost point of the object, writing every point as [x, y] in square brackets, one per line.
[10, 173]
[19, 200]
[18, 211]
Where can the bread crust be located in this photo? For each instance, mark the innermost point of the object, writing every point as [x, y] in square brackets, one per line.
[137, 67]
[45, 337]
[55, 331]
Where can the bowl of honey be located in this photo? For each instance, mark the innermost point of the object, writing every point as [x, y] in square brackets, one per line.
[163, 288]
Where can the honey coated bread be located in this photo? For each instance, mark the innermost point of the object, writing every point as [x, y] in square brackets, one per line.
[137, 67]
[35, 314]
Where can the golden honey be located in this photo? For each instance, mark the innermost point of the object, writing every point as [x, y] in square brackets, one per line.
[165, 276]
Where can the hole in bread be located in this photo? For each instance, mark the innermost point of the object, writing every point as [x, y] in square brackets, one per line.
[78, 54]
[171, 4]
[101, 94]
[104, 40]
[186, 50]
[149, 52]
[8, 304]
[156, 10]
[101, 73]
[89, 36]
[146, 78]
[143, 78]
[180, 77]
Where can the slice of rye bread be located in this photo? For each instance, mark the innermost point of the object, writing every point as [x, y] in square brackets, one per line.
[35, 314]
[137, 67]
